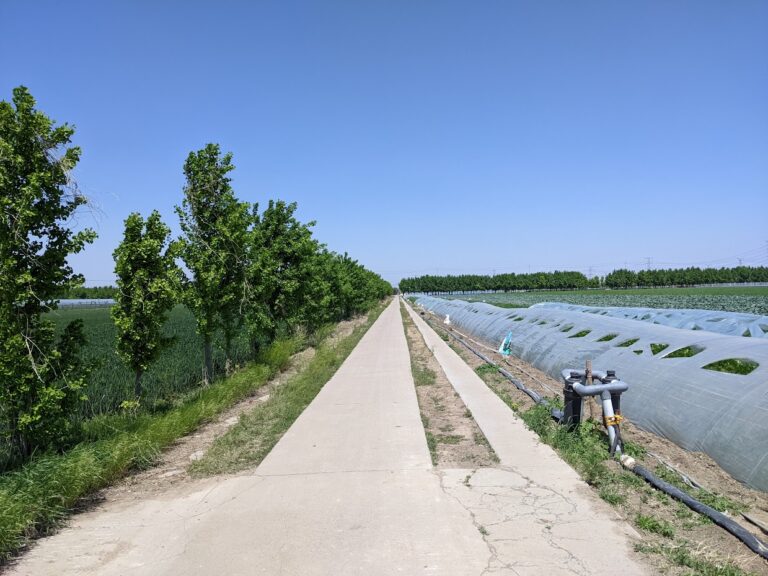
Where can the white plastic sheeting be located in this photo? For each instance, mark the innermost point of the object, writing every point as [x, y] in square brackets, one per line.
[731, 323]
[724, 415]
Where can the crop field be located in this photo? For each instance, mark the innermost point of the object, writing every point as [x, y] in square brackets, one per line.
[178, 370]
[752, 300]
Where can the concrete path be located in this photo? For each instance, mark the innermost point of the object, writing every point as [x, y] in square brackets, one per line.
[350, 490]
[538, 515]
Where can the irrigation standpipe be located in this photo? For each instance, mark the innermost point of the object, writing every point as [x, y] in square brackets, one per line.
[610, 389]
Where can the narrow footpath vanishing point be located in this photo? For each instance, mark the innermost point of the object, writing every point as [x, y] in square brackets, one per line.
[350, 489]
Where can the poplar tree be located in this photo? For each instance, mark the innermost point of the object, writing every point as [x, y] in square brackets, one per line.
[41, 377]
[280, 271]
[214, 226]
[147, 282]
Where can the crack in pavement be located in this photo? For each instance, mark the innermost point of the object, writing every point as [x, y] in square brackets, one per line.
[494, 555]
[525, 506]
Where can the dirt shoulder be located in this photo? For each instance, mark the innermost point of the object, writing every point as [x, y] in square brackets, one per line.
[453, 436]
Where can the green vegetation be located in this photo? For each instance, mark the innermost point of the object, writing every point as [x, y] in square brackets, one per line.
[42, 374]
[683, 555]
[39, 495]
[607, 338]
[609, 493]
[655, 525]
[750, 299]
[148, 281]
[627, 343]
[215, 230]
[733, 366]
[585, 449]
[486, 369]
[431, 440]
[239, 267]
[174, 374]
[686, 352]
[565, 280]
[448, 438]
[88, 293]
[422, 375]
[250, 440]
[473, 282]
[580, 334]
[656, 348]
[712, 499]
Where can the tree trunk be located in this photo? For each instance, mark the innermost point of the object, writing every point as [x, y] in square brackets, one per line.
[19, 442]
[227, 352]
[208, 356]
[137, 391]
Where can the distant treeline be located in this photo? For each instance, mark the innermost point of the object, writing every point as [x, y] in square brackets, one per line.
[577, 281]
[90, 293]
[506, 282]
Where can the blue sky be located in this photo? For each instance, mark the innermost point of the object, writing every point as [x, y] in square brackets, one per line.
[424, 137]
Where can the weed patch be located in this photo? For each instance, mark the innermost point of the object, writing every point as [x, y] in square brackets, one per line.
[683, 555]
[655, 525]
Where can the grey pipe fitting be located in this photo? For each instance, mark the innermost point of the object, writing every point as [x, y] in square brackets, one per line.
[595, 389]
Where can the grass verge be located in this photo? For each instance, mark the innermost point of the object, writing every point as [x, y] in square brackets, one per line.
[250, 440]
[35, 499]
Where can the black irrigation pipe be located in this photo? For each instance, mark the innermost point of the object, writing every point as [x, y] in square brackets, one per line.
[749, 539]
[535, 396]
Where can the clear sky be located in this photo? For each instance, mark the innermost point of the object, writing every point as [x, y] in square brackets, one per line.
[423, 136]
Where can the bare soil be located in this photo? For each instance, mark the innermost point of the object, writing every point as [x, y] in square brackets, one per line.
[458, 441]
[706, 539]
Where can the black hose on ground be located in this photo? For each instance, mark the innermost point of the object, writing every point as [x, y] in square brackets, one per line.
[535, 396]
[752, 542]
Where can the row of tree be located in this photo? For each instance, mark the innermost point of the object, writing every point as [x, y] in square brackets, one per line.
[88, 293]
[237, 269]
[499, 282]
[691, 276]
[577, 281]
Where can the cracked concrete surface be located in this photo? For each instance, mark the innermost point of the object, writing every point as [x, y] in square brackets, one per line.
[350, 490]
[536, 514]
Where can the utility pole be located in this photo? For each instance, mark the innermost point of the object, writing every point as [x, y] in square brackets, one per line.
[648, 262]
